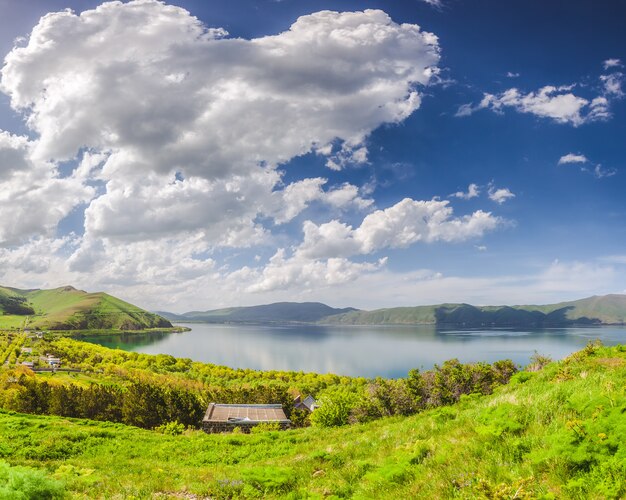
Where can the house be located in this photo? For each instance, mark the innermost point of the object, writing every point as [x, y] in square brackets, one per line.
[308, 403]
[29, 364]
[52, 361]
[227, 417]
[27, 350]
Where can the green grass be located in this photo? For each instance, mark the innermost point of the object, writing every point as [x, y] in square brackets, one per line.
[66, 308]
[556, 433]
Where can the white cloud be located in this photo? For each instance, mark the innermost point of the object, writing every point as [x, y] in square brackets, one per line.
[559, 104]
[614, 259]
[549, 283]
[434, 3]
[285, 273]
[37, 256]
[160, 93]
[510, 74]
[613, 84]
[612, 63]
[572, 158]
[33, 196]
[500, 195]
[323, 257]
[182, 128]
[600, 172]
[473, 191]
[14, 151]
[296, 196]
[398, 226]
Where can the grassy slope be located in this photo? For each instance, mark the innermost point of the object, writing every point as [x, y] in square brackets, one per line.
[68, 308]
[558, 433]
[608, 309]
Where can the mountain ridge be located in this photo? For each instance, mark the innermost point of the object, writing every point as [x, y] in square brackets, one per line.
[594, 310]
[277, 312]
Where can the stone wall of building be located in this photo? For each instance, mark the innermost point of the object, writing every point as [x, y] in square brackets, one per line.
[220, 427]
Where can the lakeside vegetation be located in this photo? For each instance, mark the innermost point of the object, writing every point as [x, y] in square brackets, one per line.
[555, 432]
[152, 390]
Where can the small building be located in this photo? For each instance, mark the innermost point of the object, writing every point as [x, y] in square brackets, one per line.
[307, 403]
[27, 350]
[29, 364]
[227, 417]
[52, 361]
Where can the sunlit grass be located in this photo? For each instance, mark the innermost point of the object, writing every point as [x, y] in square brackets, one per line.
[557, 433]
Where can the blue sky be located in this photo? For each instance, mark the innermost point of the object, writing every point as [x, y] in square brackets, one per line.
[379, 154]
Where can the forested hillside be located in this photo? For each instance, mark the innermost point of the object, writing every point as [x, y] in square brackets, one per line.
[597, 310]
[279, 312]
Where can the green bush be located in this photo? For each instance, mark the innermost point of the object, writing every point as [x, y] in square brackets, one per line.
[265, 427]
[23, 483]
[171, 428]
[335, 408]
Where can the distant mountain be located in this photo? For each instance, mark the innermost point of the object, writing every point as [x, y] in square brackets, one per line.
[596, 310]
[280, 312]
[67, 308]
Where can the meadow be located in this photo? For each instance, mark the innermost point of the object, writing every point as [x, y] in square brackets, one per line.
[553, 432]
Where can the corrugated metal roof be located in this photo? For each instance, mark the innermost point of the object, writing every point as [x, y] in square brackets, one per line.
[245, 413]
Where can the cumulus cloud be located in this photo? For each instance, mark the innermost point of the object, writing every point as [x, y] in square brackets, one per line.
[33, 196]
[556, 103]
[324, 256]
[296, 196]
[559, 104]
[572, 158]
[284, 273]
[179, 129]
[500, 195]
[187, 98]
[473, 191]
[407, 222]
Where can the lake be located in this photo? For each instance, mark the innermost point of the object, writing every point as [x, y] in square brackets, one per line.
[368, 351]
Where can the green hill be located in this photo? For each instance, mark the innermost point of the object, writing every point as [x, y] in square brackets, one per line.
[67, 308]
[596, 310]
[554, 433]
[279, 312]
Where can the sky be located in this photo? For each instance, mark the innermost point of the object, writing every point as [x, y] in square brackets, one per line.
[203, 154]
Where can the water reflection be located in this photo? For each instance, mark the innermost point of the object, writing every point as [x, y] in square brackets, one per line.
[388, 351]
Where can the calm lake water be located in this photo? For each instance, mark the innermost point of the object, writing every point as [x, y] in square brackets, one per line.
[369, 351]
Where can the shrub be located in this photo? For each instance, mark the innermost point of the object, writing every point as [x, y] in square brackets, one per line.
[23, 483]
[265, 427]
[335, 408]
[171, 428]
